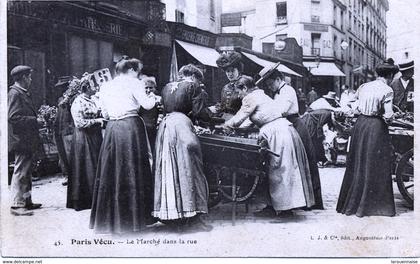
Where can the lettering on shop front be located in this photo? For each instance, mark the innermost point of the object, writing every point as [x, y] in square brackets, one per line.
[193, 37]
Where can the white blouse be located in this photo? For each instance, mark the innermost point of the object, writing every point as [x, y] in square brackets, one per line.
[286, 100]
[372, 97]
[84, 111]
[123, 97]
[258, 107]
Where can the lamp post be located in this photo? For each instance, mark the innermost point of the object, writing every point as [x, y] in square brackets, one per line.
[317, 62]
[344, 45]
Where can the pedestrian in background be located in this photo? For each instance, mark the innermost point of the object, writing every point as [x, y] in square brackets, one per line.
[64, 124]
[301, 101]
[24, 141]
[367, 184]
[86, 143]
[312, 96]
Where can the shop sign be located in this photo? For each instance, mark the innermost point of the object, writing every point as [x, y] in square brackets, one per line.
[194, 37]
[99, 77]
[315, 27]
[80, 18]
[157, 38]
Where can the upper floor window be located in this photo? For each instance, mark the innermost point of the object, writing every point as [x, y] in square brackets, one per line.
[212, 10]
[179, 16]
[281, 12]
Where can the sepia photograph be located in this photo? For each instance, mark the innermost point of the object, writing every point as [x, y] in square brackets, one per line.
[209, 128]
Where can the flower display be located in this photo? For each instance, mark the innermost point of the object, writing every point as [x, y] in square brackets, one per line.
[47, 115]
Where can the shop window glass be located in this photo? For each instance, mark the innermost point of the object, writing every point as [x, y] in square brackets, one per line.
[88, 55]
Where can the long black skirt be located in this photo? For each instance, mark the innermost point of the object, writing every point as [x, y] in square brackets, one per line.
[85, 149]
[122, 199]
[367, 185]
[303, 132]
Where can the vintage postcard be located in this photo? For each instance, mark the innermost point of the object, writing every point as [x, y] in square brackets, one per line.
[213, 128]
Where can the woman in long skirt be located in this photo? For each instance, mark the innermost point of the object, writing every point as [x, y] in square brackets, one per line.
[290, 185]
[122, 196]
[86, 143]
[367, 185]
[287, 104]
[181, 190]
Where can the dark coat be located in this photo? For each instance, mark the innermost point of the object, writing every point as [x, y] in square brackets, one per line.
[400, 94]
[22, 122]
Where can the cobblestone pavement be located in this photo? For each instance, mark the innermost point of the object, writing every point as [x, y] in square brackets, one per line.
[57, 231]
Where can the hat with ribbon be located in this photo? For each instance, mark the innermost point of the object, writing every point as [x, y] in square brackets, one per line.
[266, 72]
[406, 65]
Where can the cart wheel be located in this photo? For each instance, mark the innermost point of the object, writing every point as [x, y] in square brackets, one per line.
[405, 176]
[215, 195]
[246, 184]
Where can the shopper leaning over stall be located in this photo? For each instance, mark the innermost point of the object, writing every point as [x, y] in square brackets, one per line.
[24, 139]
[367, 185]
[181, 190]
[121, 199]
[230, 102]
[287, 104]
[321, 112]
[86, 143]
[289, 178]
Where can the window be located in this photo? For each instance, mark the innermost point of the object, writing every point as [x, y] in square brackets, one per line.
[335, 15]
[88, 55]
[281, 12]
[335, 47]
[315, 12]
[179, 16]
[281, 37]
[212, 10]
[341, 20]
[316, 44]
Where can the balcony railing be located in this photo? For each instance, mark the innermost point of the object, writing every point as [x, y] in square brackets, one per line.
[281, 20]
[315, 51]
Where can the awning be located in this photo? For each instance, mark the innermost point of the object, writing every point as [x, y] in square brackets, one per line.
[323, 69]
[204, 55]
[266, 63]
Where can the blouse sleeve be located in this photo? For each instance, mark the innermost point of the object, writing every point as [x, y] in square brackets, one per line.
[139, 93]
[387, 104]
[247, 108]
[77, 113]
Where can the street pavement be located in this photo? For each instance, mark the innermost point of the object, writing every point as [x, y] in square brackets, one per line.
[55, 230]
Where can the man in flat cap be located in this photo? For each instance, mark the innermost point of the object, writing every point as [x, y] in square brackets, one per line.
[24, 139]
[403, 87]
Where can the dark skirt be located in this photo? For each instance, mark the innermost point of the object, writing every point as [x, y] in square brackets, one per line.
[367, 185]
[303, 132]
[86, 144]
[122, 198]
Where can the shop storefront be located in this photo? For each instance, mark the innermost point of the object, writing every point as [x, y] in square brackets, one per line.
[192, 45]
[69, 38]
[326, 76]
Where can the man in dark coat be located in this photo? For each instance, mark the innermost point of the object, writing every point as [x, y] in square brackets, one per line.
[403, 87]
[24, 139]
